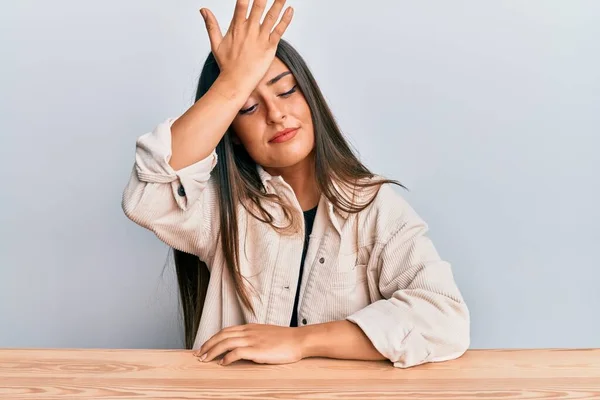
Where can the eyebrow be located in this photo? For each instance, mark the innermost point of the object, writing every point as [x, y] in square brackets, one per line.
[278, 77]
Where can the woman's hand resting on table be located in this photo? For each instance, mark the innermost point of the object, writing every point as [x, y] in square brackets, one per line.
[271, 344]
[263, 344]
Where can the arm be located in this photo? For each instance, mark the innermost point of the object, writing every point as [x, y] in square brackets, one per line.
[271, 344]
[170, 191]
[338, 339]
[422, 316]
[242, 61]
[347, 340]
[196, 133]
[178, 206]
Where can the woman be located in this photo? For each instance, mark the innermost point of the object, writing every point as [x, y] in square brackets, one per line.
[286, 246]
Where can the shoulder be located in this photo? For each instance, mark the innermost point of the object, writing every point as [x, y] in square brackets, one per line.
[389, 212]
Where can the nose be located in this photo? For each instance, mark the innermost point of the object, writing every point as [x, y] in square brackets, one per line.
[275, 114]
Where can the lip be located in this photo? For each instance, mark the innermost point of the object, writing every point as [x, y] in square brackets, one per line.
[284, 135]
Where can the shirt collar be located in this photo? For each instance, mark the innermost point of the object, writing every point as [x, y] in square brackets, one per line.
[275, 181]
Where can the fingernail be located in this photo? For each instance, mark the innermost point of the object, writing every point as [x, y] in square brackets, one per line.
[203, 357]
[203, 13]
[221, 362]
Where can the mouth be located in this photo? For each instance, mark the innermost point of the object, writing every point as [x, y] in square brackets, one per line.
[284, 135]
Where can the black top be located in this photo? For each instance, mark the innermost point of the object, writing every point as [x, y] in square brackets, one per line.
[309, 219]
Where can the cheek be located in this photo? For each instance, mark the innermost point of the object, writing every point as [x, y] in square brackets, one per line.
[302, 110]
[305, 117]
[247, 130]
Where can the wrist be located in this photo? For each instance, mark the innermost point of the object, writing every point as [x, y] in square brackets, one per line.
[233, 87]
[308, 340]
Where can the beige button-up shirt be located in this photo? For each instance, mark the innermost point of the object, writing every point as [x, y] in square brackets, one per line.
[376, 268]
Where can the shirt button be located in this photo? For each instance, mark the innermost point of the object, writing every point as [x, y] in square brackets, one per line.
[321, 260]
[304, 321]
[181, 191]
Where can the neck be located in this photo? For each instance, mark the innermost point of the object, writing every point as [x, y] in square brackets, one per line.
[302, 178]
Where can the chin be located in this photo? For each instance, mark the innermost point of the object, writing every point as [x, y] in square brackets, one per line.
[287, 158]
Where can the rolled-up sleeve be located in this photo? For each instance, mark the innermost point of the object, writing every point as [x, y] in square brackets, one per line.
[422, 316]
[178, 206]
[152, 157]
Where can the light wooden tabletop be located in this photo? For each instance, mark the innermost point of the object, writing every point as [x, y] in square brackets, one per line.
[45, 374]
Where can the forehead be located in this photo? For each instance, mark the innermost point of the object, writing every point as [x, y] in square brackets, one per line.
[276, 68]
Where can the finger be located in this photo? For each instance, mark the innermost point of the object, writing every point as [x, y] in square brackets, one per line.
[241, 353]
[258, 7]
[282, 26]
[272, 16]
[240, 12]
[226, 345]
[212, 27]
[236, 328]
[222, 335]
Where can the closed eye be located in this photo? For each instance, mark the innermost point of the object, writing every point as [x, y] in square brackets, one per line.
[288, 93]
[284, 95]
[248, 110]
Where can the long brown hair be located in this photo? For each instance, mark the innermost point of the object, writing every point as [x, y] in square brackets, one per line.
[338, 172]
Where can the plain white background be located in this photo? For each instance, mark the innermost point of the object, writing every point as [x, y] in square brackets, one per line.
[487, 111]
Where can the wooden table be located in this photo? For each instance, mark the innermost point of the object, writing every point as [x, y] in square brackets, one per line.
[154, 374]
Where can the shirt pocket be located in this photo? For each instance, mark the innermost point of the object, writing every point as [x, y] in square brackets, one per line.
[348, 289]
[349, 259]
[349, 279]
